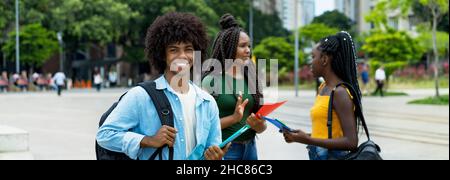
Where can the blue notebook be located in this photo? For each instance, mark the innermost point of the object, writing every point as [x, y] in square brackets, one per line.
[280, 125]
[232, 137]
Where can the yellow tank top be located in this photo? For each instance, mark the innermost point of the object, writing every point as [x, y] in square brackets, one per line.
[319, 118]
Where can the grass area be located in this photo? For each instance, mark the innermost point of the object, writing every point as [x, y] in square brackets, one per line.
[394, 83]
[390, 93]
[441, 100]
[408, 83]
[303, 86]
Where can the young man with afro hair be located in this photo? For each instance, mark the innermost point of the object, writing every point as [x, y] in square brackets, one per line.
[134, 128]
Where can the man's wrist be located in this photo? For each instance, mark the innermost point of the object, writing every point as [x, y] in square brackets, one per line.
[147, 141]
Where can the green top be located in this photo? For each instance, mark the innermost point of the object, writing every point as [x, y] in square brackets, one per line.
[226, 99]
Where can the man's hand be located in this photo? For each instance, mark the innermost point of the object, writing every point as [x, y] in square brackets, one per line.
[165, 135]
[215, 153]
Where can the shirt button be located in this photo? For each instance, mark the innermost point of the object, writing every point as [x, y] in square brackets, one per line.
[176, 99]
[182, 140]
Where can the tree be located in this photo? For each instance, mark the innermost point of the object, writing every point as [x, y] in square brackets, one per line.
[30, 12]
[334, 19]
[37, 45]
[6, 16]
[265, 25]
[313, 33]
[423, 14]
[425, 39]
[100, 21]
[276, 48]
[394, 49]
[379, 15]
[438, 8]
[148, 10]
[198, 8]
[310, 35]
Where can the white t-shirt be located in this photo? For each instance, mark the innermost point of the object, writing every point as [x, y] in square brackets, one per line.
[98, 79]
[188, 101]
[35, 76]
[59, 78]
[380, 75]
[112, 77]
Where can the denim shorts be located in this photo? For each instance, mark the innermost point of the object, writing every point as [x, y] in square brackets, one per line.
[319, 153]
[242, 151]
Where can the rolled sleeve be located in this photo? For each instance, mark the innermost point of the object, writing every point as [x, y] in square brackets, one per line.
[115, 134]
[131, 144]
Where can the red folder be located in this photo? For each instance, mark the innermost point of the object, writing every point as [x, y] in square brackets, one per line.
[269, 108]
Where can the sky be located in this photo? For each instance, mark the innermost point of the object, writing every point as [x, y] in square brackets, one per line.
[324, 5]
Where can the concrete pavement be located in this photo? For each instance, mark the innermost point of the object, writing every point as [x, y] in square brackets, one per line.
[65, 127]
[403, 131]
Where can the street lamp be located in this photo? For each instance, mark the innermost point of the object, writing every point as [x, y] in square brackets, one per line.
[17, 39]
[296, 78]
[61, 53]
[251, 23]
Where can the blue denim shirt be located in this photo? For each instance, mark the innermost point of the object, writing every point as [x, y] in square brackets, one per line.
[135, 117]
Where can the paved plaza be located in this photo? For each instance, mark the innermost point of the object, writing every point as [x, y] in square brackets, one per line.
[65, 127]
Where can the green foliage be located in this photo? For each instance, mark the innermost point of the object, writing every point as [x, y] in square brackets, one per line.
[441, 100]
[312, 34]
[100, 21]
[393, 48]
[442, 38]
[441, 5]
[277, 48]
[197, 7]
[125, 22]
[134, 54]
[334, 19]
[265, 25]
[379, 14]
[390, 93]
[37, 45]
[423, 14]
[6, 15]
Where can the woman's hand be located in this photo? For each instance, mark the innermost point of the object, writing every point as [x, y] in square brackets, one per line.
[239, 109]
[257, 124]
[296, 136]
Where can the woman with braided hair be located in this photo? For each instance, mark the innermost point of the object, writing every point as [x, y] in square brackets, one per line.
[239, 95]
[334, 59]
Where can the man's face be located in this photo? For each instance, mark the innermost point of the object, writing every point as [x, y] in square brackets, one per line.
[179, 57]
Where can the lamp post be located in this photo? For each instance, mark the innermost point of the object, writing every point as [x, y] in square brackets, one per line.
[61, 52]
[296, 78]
[251, 23]
[17, 39]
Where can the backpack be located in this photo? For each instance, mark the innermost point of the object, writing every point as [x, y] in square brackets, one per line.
[165, 114]
[365, 151]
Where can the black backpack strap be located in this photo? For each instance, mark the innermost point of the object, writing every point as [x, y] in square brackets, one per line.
[358, 110]
[164, 110]
[330, 116]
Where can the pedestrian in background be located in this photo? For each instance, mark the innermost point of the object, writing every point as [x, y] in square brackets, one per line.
[59, 81]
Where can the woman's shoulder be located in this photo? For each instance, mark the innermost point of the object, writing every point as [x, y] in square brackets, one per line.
[343, 92]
